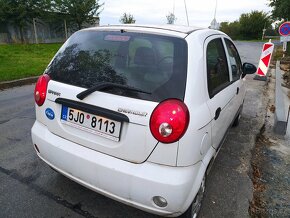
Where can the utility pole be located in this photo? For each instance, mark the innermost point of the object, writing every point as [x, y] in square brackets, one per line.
[264, 30]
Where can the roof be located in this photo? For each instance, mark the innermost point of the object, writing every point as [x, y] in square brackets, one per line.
[182, 31]
[175, 28]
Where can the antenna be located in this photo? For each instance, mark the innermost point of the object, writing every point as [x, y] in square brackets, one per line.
[215, 9]
[186, 12]
[173, 7]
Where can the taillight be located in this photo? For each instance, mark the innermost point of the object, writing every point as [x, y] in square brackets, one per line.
[40, 89]
[169, 121]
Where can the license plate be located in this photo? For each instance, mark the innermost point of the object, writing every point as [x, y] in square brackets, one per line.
[98, 125]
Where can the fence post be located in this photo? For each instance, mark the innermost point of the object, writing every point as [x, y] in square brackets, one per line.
[35, 32]
[65, 29]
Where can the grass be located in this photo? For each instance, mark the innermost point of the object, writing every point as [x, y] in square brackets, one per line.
[24, 60]
[278, 53]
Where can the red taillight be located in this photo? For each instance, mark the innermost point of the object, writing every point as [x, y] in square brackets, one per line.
[40, 89]
[169, 121]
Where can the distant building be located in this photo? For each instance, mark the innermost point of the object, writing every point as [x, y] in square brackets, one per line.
[214, 25]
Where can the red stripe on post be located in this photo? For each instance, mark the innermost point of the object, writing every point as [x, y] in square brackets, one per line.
[260, 72]
[266, 60]
[266, 46]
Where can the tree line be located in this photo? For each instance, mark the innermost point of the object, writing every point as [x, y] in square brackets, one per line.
[80, 13]
[251, 25]
[77, 13]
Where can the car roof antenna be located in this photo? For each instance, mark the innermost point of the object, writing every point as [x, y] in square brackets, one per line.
[186, 12]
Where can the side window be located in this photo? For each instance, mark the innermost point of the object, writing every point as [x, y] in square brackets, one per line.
[234, 59]
[217, 67]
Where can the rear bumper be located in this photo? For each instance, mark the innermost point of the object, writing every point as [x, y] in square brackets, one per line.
[132, 184]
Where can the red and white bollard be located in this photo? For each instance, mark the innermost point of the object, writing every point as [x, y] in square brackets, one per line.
[265, 60]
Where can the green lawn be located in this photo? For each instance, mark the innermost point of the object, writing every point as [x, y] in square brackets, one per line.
[20, 61]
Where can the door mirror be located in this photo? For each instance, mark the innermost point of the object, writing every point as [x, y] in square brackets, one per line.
[249, 69]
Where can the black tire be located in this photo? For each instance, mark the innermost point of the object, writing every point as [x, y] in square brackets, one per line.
[237, 120]
[193, 210]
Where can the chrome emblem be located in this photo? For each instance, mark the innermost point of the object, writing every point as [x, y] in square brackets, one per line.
[53, 92]
[128, 111]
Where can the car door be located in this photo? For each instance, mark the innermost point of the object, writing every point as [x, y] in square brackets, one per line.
[221, 93]
[236, 71]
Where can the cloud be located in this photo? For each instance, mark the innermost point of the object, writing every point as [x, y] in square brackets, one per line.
[200, 13]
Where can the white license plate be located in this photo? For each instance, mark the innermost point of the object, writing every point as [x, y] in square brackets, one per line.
[91, 123]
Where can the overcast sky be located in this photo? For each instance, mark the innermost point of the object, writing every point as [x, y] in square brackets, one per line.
[200, 12]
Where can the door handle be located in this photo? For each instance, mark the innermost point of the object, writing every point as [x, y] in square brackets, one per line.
[238, 90]
[217, 113]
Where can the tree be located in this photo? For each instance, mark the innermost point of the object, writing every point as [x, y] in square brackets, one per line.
[249, 26]
[252, 24]
[3, 9]
[232, 29]
[281, 9]
[21, 12]
[80, 12]
[171, 18]
[127, 18]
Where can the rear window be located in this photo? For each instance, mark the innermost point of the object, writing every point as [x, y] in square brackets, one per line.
[153, 63]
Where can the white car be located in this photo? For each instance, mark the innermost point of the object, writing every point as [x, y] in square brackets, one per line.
[138, 113]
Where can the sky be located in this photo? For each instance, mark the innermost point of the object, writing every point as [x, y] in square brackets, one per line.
[200, 12]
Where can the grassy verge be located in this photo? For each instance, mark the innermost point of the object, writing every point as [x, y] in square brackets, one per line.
[278, 53]
[19, 61]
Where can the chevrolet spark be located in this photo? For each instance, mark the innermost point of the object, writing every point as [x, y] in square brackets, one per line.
[138, 113]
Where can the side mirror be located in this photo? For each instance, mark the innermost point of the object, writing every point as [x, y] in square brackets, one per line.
[248, 69]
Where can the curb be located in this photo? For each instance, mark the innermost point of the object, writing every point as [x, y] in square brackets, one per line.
[18, 82]
[280, 122]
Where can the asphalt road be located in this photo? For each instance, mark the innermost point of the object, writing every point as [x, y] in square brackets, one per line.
[29, 188]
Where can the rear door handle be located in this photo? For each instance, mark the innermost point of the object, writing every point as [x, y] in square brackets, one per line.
[238, 90]
[217, 113]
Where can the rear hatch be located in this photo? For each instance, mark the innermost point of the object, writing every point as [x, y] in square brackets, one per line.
[105, 84]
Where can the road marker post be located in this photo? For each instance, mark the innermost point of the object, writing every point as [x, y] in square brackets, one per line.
[265, 61]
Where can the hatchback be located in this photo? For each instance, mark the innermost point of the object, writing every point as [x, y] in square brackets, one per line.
[138, 113]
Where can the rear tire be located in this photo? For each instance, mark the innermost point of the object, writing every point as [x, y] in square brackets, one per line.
[237, 120]
[193, 210]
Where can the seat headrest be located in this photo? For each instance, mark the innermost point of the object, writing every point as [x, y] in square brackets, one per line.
[144, 56]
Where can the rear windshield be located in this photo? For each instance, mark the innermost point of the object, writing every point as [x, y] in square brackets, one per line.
[154, 64]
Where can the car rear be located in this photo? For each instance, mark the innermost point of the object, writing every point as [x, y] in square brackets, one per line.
[110, 99]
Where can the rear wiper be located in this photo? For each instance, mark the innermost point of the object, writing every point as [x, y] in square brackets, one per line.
[105, 85]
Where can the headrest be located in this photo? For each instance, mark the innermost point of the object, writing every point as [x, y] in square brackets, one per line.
[144, 56]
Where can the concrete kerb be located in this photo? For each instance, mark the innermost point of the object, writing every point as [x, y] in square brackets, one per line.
[281, 115]
[19, 82]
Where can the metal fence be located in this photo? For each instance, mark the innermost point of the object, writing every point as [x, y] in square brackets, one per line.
[36, 31]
